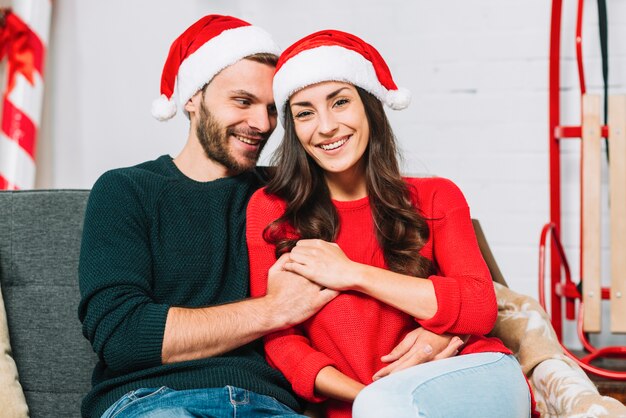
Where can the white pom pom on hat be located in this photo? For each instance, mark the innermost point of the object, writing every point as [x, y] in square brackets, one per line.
[163, 108]
[208, 46]
[332, 55]
[398, 99]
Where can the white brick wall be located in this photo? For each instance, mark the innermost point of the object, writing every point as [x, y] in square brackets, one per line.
[478, 71]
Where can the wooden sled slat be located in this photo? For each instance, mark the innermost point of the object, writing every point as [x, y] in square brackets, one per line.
[591, 212]
[617, 203]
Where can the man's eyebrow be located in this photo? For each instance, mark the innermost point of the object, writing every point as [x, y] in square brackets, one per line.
[243, 93]
[328, 97]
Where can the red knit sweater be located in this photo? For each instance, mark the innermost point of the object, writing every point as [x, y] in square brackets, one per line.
[354, 330]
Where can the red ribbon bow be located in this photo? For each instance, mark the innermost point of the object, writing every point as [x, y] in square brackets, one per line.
[17, 43]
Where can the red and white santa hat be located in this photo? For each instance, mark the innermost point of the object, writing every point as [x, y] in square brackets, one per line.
[208, 46]
[332, 55]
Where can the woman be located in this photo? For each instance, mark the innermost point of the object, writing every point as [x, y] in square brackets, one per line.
[398, 250]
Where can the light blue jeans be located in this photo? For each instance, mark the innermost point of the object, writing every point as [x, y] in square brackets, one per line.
[483, 385]
[226, 402]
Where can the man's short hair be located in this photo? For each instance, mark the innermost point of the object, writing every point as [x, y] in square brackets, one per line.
[264, 58]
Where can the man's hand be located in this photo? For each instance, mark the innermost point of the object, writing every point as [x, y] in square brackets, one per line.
[294, 298]
[195, 333]
[419, 346]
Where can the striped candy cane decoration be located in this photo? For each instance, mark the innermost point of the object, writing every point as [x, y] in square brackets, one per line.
[26, 30]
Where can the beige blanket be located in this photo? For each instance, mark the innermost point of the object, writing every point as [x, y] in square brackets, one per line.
[560, 386]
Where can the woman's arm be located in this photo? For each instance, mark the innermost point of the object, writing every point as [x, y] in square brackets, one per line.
[331, 383]
[327, 265]
[459, 300]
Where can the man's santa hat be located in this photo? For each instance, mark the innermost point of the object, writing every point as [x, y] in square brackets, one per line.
[332, 55]
[203, 50]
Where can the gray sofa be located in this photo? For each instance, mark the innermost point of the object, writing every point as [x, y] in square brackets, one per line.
[40, 234]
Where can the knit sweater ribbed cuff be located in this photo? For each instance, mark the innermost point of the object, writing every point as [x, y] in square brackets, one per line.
[304, 378]
[448, 295]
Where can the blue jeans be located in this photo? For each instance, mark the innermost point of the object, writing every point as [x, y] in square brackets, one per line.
[483, 385]
[226, 402]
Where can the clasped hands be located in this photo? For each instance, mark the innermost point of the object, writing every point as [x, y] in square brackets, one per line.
[325, 264]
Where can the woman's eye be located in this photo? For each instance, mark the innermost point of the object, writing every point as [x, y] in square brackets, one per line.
[303, 114]
[342, 102]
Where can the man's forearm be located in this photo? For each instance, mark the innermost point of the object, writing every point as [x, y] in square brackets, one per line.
[194, 333]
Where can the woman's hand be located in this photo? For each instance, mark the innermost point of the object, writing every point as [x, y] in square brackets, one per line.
[323, 263]
[419, 346]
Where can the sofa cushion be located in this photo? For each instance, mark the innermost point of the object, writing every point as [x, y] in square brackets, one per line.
[11, 395]
[39, 248]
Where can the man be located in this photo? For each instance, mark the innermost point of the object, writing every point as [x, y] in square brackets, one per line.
[163, 268]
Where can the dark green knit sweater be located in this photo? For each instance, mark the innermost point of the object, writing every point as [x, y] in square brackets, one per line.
[153, 238]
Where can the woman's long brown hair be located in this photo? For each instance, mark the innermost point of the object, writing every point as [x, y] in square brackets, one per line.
[400, 229]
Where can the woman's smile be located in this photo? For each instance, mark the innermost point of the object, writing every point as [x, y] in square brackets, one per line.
[334, 143]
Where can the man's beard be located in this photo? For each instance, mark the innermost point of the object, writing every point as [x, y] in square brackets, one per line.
[214, 139]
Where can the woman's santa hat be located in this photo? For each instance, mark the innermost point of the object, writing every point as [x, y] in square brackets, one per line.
[203, 50]
[332, 55]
